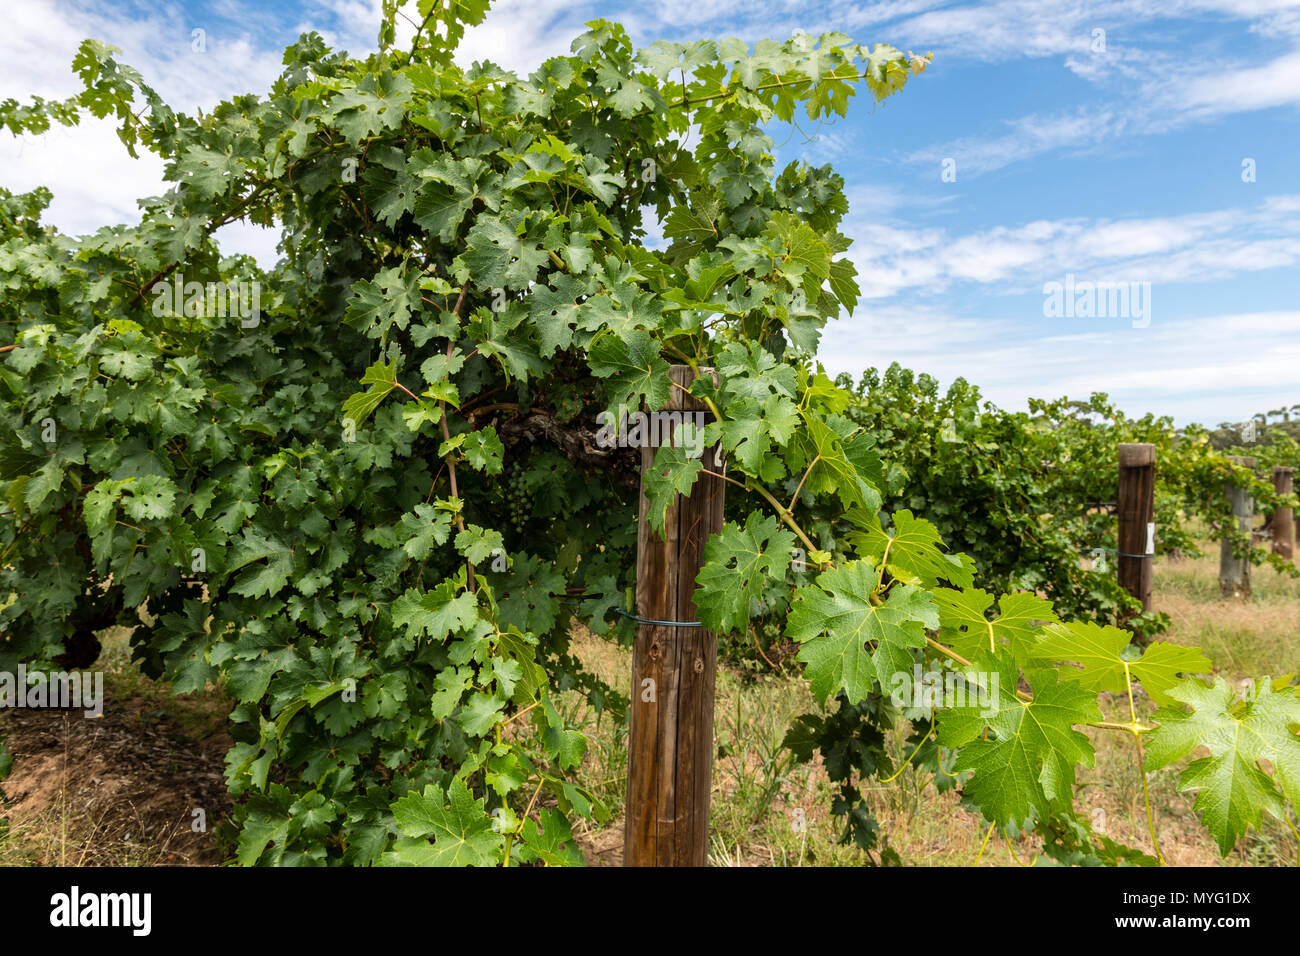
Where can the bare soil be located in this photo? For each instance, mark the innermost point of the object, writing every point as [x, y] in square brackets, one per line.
[120, 789]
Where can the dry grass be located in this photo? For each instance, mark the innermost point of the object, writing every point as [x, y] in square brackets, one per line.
[1243, 638]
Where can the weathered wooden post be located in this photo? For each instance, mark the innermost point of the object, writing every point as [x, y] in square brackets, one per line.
[670, 741]
[1282, 523]
[1234, 573]
[1137, 515]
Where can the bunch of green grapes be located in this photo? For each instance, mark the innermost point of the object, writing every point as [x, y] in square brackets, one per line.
[519, 500]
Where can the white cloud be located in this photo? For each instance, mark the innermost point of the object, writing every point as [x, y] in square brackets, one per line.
[245, 238]
[1276, 83]
[519, 35]
[1027, 136]
[1149, 89]
[94, 181]
[894, 259]
[42, 36]
[1209, 369]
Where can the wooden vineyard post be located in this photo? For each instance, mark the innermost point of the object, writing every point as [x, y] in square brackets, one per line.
[1234, 573]
[1282, 523]
[670, 741]
[1137, 515]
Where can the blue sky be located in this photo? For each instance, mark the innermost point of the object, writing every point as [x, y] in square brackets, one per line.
[1106, 157]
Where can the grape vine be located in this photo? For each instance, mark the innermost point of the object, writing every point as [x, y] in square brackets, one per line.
[385, 477]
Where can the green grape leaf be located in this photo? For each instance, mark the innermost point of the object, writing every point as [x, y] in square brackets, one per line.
[44, 483]
[452, 187]
[496, 257]
[843, 284]
[500, 335]
[751, 429]
[1232, 787]
[737, 563]
[835, 621]
[448, 687]
[513, 646]
[550, 839]
[379, 304]
[481, 713]
[525, 594]
[833, 470]
[632, 369]
[478, 544]
[673, 473]
[967, 629]
[377, 103]
[911, 552]
[260, 829]
[435, 613]
[423, 530]
[382, 379]
[1099, 653]
[459, 825]
[555, 311]
[1163, 665]
[1026, 762]
[563, 745]
[149, 497]
[483, 450]
[262, 579]
[209, 173]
